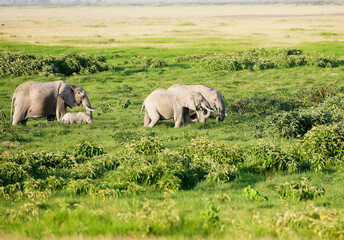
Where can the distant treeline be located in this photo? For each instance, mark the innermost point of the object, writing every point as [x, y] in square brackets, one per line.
[143, 2]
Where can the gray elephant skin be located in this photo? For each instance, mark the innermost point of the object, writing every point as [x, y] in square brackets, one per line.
[80, 117]
[213, 96]
[162, 104]
[50, 99]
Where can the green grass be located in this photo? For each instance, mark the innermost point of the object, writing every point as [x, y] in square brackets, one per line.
[172, 214]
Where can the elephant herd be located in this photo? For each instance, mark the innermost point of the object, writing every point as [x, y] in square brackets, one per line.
[179, 102]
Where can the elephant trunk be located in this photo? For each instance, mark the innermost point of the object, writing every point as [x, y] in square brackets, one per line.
[221, 108]
[87, 104]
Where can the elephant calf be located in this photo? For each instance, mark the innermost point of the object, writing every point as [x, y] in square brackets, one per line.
[80, 117]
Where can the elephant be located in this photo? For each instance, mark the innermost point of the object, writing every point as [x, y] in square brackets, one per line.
[165, 105]
[80, 117]
[37, 99]
[213, 96]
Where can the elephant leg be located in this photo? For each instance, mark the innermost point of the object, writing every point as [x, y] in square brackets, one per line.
[147, 119]
[178, 116]
[51, 118]
[186, 116]
[155, 117]
[18, 117]
[23, 122]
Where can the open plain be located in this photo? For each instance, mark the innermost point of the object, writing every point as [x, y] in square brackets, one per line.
[273, 169]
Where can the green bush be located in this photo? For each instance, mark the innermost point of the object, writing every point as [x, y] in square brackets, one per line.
[210, 217]
[300, 190]
[266, 157]
[322, 146]
[162, 171]
[147, 62]
[21, 63]
[317, 95]
[201, 147]
[154, 219]
[252, 194]
[11, 172]
[264, 104]
[79, 186]
[88, 149]
[145, 146]
[260, 59]
[296, 123]
[290, 223]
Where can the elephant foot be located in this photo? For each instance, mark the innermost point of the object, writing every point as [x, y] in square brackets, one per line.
[51, 118]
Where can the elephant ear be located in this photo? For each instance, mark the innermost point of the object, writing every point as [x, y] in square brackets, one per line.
[190, 102]
[67, 95]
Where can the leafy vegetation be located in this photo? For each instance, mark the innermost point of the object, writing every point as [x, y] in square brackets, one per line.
[22, 63]
[261, 59]
[300, 190]
[206, 180]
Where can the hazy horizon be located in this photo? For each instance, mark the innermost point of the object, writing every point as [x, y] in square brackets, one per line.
[77, 2]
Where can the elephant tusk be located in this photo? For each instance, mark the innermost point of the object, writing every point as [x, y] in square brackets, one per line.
[209, 109]
[90, 109]
[226, 114]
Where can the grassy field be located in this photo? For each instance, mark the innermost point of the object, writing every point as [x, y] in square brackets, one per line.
[271, 170]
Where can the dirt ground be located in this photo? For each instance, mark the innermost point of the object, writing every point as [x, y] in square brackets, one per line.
[145, 25]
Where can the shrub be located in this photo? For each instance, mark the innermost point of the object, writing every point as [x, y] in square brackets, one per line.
[296, 123]
[210, 218]
[158, 219]
[317, 95]
[202, 148]
[79, 186]
[21, 63]
[252, 194]
[261, 59]
[123, 89]
[146, 146]
[220, 173]
[323, 223]
[88, 149]
[147, 62]
[266, 157]
[264, 104]
[300, 190]
[206, 159]
[322, 146]
[163, 171]
[11, 172]
[334, 103]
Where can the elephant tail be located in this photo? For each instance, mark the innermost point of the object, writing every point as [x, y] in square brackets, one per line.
[143, 105]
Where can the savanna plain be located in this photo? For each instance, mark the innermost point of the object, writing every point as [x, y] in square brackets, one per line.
[271, 170]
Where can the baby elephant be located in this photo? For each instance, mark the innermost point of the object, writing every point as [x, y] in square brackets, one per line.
[80, 117]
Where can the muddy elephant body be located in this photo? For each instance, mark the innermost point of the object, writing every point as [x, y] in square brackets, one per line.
[212, 95]
[36, 99]
[80, 117]
[166, 105]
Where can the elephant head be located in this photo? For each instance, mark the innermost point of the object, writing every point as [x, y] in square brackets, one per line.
[216, 100]
[196, 102]
[75, 95]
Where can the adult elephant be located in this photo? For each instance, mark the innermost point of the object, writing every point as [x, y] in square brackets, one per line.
[37, 99]
[213, 96]
[165, 105]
